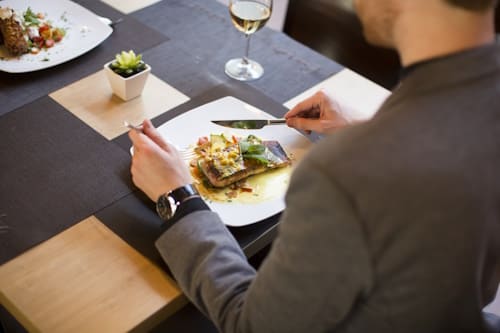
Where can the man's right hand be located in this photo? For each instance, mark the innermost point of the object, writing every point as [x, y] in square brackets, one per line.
[157, 167]
[318, 113]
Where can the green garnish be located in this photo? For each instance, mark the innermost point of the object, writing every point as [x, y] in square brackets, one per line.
[252, 148]
[30, 18]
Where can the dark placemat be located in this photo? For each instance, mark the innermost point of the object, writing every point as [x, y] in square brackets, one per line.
[187, 320]
[204, 39]
[55, 171]
[134, 219]
[18, 89]
[9, 323]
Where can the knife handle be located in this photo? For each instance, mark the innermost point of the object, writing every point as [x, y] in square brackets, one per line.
[276, 121]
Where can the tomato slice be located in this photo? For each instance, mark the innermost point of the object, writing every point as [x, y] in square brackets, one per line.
[38, 41]
[45, 32]
[49, 43]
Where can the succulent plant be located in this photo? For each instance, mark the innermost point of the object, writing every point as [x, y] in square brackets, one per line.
[127, 64]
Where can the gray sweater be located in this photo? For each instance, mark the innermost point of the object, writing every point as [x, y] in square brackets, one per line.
[391, 226]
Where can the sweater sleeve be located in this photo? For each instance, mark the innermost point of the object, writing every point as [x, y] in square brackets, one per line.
[316, 271]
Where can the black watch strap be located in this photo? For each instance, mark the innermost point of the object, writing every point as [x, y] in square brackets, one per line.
[187, 207]
[183, 193]
[167, 203]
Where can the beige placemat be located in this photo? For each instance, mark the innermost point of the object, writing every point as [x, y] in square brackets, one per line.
[358, 97]
[91, 99]
[129, 6]
[87, 279]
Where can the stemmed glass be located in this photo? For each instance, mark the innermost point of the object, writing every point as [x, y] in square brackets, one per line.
[248, 16]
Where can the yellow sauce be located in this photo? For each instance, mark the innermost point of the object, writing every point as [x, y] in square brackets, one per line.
[265, 186]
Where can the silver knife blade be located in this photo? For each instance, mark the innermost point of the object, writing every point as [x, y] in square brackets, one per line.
[248, 123]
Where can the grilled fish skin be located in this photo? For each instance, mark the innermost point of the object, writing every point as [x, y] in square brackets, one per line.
[252, 167]
[12, 33]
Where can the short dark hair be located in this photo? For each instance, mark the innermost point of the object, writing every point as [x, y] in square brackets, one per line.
[474, 5]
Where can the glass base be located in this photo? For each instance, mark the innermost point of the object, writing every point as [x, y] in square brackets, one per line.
[244, 71]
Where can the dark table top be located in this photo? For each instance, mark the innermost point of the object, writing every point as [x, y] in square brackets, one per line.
[187, 43]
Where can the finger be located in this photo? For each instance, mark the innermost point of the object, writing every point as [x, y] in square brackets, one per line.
[300, 109]
[134, 136]
[142, 143]
[308, 108]
[304, 106]
[306, 124]
[150, 131]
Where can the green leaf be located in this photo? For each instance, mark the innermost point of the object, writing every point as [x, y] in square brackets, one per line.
[262, 158]
[30, 18]
[128, 62]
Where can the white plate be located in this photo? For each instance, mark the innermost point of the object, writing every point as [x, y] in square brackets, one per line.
[84, 31]
[184, 131]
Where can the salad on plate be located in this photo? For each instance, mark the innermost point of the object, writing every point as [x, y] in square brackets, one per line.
[27, 32]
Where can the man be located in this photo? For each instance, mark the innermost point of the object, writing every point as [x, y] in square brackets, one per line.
[392, 225]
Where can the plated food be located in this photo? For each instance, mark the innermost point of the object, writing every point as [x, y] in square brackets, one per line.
[223, 164]
[27, 32]
[266, 190]
[78, 29]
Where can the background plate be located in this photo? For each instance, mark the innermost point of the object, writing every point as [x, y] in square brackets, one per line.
[84, 31]
[184, 131]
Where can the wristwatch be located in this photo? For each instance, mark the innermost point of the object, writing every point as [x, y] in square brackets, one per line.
[168, 202]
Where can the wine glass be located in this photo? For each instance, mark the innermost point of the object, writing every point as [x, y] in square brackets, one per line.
[248, 16]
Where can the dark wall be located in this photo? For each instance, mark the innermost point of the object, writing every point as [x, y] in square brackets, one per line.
[332, 28]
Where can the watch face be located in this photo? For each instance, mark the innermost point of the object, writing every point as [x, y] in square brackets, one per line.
[165, 207]
[168, 202]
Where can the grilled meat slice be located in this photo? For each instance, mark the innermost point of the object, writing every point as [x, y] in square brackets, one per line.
[12, 33]
[221, 178]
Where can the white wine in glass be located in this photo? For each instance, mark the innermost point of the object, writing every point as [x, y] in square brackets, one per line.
[248, 16]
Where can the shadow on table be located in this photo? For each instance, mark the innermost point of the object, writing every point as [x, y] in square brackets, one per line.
[187, 320]
[9, 324]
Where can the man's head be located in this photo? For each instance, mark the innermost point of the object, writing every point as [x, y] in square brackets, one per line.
[379, 18]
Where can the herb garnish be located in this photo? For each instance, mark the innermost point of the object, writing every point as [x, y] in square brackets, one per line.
[30, 18]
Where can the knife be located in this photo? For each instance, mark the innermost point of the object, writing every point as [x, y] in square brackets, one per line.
[249, 123]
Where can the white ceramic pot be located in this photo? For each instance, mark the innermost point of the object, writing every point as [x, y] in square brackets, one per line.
[127, 88]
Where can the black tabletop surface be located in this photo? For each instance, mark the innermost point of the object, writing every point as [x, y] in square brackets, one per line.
[56, 171]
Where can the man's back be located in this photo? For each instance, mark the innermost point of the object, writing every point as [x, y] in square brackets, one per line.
[423, 179]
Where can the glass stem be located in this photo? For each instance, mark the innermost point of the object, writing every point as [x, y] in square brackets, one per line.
[247, 49]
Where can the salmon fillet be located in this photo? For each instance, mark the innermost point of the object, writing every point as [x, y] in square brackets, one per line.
[224, 176]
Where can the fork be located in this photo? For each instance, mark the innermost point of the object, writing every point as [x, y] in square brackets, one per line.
[107, 21]
[187, 154]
